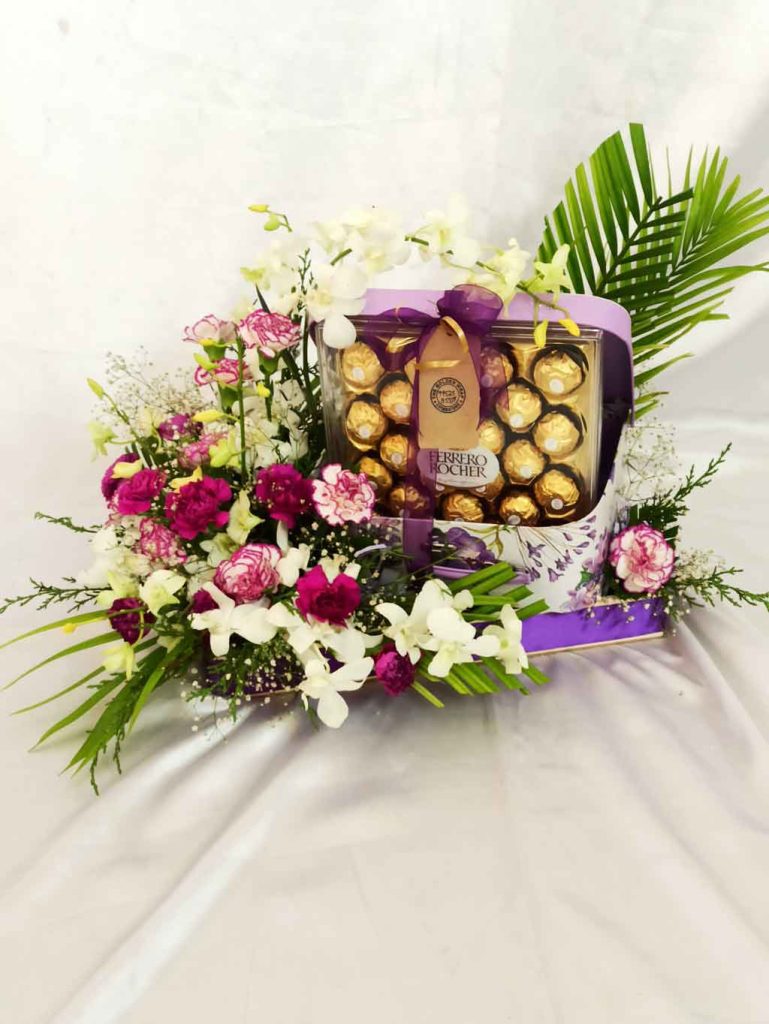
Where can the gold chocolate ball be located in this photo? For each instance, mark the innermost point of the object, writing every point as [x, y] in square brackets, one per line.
[395, 398]
[558, 432]
[463, 506]
[365, 423]
[408, 498]
[519, 405]
[491, 435]
[379, 476]
[560, 370]
[396, 451]
[489, 491]
[410, 369]
[518, 508]
[557, 491]
[361, 368]
[523, 461]
[496, 368]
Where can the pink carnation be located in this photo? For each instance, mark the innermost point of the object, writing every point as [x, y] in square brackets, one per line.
[642, 559]
[159, 544]
[211, 327]
[327, 601]
[197, 505]
[109, 483]
[197, 453]
[342, 497]
[269, 332]
[225, 372]
[136, 494]
[394, 671]
[247, 574]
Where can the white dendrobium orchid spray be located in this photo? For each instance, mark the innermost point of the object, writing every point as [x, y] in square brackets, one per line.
[445, 233]
[160, 589]
[409, 631]
[337, 294]
[509, 633]
[454, 641]
[250, 621]
[347, 643]
[323, 685]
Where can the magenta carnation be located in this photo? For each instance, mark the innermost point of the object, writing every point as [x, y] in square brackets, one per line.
[247, 574]
[642, 559]
[333, 601]
[268, 332]
[210, 327]
[109, 484]
[136, 494]
[343, 497]
[394, 671]
[197, 505]
[159, 544]
[131, 618]
[175, 426]
[284, 491]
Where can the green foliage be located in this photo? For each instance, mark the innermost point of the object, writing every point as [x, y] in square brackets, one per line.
[66, 522]
[659, 254]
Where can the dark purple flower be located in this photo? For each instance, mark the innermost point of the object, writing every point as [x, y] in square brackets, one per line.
[175, 426]
[203, 602]
[108, 485]
[131, 618]
[394, 671]
[284, 491]
[136, 494]
[326, 601]
[196, 506]
[469, 548]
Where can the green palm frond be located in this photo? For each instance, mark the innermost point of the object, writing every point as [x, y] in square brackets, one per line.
[659, 255]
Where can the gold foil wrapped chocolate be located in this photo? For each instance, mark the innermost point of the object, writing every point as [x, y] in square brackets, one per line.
[361, 368]
[379, 476]
[558, 432]
[365, 423]
[395, 398]
[523, 461]
[559, 371]
[410, 369]
[491, 435]
[463, 506]
[395, 451]
[518, 508]
[408, 498]
[557, 491]
[519, 405]
[496, 368]
[489, 491]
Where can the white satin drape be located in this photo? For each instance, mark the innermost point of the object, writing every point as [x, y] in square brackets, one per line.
[596, 853]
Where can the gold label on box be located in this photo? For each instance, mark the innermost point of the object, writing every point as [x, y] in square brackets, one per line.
[449, 392]
[474, 468]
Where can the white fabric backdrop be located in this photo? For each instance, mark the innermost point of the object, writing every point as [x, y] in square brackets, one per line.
[594, 854]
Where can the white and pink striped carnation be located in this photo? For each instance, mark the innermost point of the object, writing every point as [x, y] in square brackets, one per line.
[249, 573]
[341, 496]
[159, 544]
[642, 559]
[271, 333]
[210, 327]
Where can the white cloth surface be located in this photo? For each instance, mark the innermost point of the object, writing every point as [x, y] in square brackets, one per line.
[595, 853]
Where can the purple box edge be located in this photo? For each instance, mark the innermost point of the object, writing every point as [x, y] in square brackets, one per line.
[601, 624]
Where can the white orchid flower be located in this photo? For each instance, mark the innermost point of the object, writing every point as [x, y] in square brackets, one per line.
[454, 641]
[444, 232]
[250, 621]
[292, 564]
[409, 630]
[509, 633]
[121, 658]
[160, 588]
[323, 685]
[337, 294]
[347, 643]
[503, 271]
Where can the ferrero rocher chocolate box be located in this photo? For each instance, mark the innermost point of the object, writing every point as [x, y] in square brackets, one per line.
[462, 422]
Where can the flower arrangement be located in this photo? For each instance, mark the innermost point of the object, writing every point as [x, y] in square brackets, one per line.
[235, 558]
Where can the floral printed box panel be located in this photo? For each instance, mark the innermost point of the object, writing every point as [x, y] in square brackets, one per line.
[563, 565]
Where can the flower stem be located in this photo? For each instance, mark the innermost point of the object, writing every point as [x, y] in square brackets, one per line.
[241, 409]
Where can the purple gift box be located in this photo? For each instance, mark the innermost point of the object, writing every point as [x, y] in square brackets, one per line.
[561, 564]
